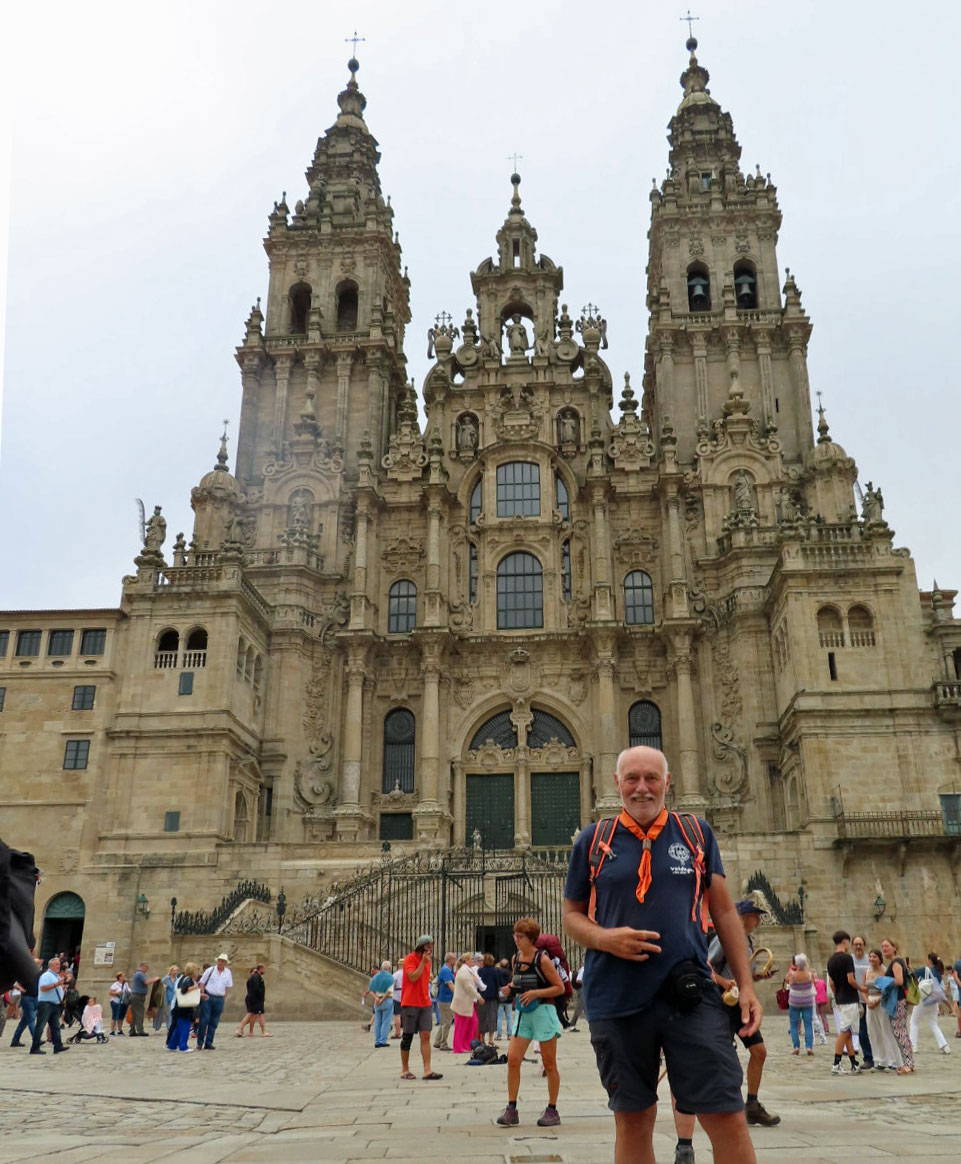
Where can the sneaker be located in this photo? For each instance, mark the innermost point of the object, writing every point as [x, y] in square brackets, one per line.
[945, 1050]
[684, 1154]
[18, 1044]
[188, 1050]
[508, 1118]
[550, 1118]
[855, 1068]
[756, 1114]
[836, 1069]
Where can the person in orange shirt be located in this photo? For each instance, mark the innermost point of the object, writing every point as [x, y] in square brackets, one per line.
[416, 1012]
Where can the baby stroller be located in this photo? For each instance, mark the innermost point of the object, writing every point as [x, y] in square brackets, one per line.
[73, 1005]
[91, 1024]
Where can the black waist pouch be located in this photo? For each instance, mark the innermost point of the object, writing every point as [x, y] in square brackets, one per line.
[685, 985]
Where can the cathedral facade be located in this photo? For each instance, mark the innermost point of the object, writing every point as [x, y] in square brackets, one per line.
[439, 634]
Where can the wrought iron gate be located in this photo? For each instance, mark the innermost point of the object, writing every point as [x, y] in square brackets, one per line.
[467, 899]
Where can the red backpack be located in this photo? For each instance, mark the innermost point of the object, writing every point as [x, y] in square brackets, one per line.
[551, 945]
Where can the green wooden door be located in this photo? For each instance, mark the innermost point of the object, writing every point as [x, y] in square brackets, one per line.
[490, 809]
[555, 807]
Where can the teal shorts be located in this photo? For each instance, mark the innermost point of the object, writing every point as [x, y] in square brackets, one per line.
[540, 1024]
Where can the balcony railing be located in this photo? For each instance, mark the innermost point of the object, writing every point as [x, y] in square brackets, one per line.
[165, 660]
[854, 826]
[947, 694]
[194, 659]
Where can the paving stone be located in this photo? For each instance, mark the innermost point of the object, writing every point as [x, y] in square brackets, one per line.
[318, 1093]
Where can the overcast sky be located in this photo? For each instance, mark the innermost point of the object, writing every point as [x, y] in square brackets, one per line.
[149, 143]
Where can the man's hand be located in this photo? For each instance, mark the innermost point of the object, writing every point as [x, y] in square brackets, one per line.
[751, 1011]
[624, 942]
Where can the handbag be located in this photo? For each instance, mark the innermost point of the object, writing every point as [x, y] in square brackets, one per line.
[930, 989]
[782, 998]
[186, 998]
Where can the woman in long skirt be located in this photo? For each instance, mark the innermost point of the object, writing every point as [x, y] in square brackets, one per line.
[466, 996]
[898, 970]
[886, 1054]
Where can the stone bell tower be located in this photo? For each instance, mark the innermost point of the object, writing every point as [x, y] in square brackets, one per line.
[327, 364]
[719, 326]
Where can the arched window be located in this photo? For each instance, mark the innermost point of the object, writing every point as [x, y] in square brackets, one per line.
[347, 307]
[258, 672]
[475, 501]
[644, 725]
[638, 599]
[399, 734]
[518, 489]
[498, 729]
[195, 654]
[830, 627]
[566, 570]
[698, 288]
[546, 727]
[745, 285]
[402, 608]
[241, 652]
[249, 665]
[168, 646]
[299, 301]
[520, 592]
[861, 626]
[563, 504]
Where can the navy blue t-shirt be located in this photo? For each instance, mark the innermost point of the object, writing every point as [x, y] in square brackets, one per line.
[614, 987]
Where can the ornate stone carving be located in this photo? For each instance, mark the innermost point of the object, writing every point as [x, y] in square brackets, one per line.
[463, 690]
[489, 755]
[730, 780]
[635, 547]
[403, 554]
[726, 673]
[521, 673]
[577, 682]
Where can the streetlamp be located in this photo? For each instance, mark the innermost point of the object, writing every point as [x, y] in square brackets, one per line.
[173, 911]
[143, 905]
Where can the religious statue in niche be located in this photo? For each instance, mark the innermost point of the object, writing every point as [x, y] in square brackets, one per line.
[301, 510]
[467, 434]
[567, 428]
[517, 338]
[872, 505]
[790, 506]
[744, 498]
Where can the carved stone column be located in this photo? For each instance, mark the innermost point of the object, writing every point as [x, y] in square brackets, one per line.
[282, 369]
[587, 792]
[665, 370]
[797, 349]
[344, 363]
[251, 366]
[353, 822]
[522, 717]
[699, 346]
[762, 342]
[358, 598]
[608, 801]
[685, 771]
[432, 595]
[460, 798]
[600, 537]
[430, 816]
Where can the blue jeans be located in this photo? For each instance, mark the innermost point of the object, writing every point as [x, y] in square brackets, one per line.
[383, 1015]
[504, 1015]
[48, 1014]
[211, 1008]
[28, 1017]
[795, 1015]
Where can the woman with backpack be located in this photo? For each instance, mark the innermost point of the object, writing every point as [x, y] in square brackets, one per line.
[535, 984]
[931, 990]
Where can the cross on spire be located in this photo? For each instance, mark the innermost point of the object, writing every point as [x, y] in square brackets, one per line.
[226, 422]
[689, 20]
[353, 42]
[513, 158]
[443, 318]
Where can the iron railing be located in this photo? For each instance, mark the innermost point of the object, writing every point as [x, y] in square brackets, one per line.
[202, 922]
[467, 900]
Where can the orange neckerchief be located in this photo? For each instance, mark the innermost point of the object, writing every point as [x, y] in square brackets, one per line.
[646, 839]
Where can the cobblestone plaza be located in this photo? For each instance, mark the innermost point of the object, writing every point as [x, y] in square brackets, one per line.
[320, 1092]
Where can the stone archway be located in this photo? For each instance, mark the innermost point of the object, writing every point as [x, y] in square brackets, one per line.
[62, 926]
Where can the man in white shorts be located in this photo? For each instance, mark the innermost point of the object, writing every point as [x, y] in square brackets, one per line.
[847, 994]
